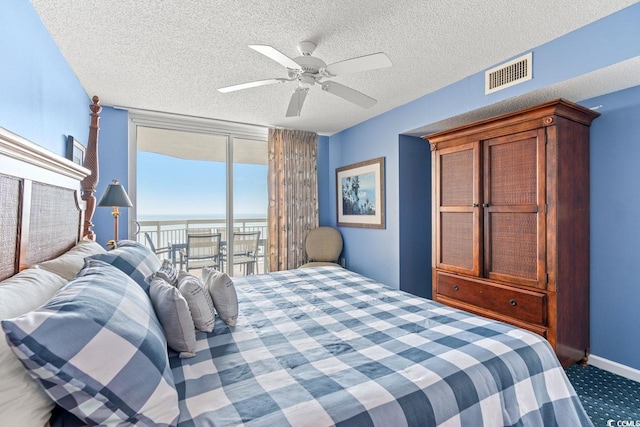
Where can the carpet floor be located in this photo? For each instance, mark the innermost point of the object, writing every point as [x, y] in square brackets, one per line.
[609, 399]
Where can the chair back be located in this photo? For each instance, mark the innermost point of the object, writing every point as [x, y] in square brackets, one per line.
[245, 250]
[200, 231]
[203, 250]
[150, 243]
[246, 243]
[323, 244]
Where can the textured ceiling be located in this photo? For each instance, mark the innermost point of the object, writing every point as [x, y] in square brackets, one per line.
[172, 56]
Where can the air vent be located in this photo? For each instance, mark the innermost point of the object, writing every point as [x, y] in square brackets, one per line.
[508, 74]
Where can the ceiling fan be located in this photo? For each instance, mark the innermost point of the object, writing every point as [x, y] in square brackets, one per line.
[308, 70]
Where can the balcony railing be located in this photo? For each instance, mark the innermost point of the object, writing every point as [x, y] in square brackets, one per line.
[165, 233]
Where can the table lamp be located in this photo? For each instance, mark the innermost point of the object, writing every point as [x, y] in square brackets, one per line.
[116, 197]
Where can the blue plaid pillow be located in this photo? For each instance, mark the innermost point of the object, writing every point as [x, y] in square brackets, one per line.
[133, 259]
[98, 349]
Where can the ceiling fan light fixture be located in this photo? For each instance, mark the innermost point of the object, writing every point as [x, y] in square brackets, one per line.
[307, 80]
[306, 48]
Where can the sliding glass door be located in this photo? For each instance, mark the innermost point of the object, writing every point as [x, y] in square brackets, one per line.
[191, 182]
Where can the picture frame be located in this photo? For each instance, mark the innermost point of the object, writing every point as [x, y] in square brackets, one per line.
[360, 194]
[75, 150]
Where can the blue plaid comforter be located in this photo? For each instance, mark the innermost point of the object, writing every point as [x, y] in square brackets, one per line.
[325, 346]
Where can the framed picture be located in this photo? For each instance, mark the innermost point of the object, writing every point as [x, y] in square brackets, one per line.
[360, 192]
[75, 150]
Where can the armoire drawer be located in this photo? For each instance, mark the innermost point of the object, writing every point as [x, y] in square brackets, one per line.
[517, 303]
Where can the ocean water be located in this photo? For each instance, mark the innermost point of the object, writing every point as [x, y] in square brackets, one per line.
[173, 217]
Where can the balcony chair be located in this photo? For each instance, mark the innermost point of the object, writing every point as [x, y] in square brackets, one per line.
[203, 250]
[245, 251]
[152, 246]
[262, 254]
[323, 246]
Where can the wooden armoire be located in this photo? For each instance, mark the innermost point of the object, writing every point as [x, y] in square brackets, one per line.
[511, 221]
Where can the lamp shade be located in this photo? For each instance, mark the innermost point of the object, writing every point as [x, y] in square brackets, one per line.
[115, 196]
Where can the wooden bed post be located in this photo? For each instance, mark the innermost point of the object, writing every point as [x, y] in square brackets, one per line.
[90, 182]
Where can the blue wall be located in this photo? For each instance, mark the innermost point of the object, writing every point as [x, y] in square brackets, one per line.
[40, 97]
[369, 250]
[615, 229]
[324, 204]
[615, 38]
[414, 190]
[112, 154]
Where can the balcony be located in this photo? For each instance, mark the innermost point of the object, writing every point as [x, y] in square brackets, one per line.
[164, 233]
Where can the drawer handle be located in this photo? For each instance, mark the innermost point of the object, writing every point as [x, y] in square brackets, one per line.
[456, 288]
[513, 302]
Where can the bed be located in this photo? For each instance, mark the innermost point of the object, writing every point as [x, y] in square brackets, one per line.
[318, 346]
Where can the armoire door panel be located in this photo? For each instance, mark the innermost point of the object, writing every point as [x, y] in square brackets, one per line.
[457, 178]
[511, 170]
[512, 248]
[456, 229]
[514, 197]
[456, 205]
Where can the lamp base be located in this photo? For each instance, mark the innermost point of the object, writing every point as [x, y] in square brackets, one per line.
[116, 218]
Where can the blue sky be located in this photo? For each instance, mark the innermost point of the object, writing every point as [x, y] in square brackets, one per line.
[171, 186]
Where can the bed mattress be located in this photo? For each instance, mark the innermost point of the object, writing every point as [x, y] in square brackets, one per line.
[326, 346]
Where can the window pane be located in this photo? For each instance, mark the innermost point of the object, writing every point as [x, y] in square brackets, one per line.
[250, 199]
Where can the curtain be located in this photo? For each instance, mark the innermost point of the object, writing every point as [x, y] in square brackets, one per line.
[293, 196]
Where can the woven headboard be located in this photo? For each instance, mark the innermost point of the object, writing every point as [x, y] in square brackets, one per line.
[41, 214]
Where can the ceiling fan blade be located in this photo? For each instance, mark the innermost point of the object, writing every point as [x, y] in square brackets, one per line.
[276, 55]
[295, 104]
[349, 94]
[361, 63]
[251, 84]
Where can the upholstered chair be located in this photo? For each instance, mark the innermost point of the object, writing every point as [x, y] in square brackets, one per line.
[323, 246]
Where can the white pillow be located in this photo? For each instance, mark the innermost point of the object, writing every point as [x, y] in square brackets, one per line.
[199, 300]
[167, 272]
[223, 293]
[174, 315]
[71, 262]
[23, 402]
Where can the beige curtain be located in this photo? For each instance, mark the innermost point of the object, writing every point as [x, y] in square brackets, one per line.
[293, 196]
